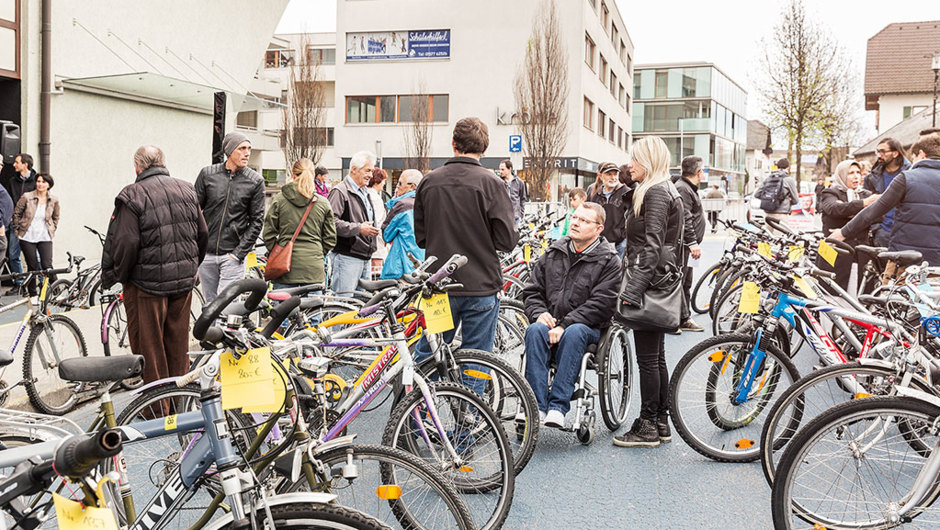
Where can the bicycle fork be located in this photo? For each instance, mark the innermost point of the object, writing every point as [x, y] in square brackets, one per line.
[753, 365]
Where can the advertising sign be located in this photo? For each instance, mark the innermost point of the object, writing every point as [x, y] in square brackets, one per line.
[386, 45]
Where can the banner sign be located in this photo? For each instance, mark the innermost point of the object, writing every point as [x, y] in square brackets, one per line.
[385, 45]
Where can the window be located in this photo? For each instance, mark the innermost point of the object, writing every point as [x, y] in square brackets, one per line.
[614, 36]
[593, 4]
[602, 73]
[588, 114]
[322, 136]
[322, 55]
[605, 16]
[623, 53]
[248, 119]
[912, 110]
[610, 132]
[620, 137]
[629, 61]
[278, 58]
[613, 84]
[395, 109]
[361, 109]
[621, 96]
[589, 48]
[662, 84]
[439, 110]
[601, 123]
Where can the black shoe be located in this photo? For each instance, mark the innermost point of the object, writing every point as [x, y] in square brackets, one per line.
[642, 434]
[676, 331]
[665, 434]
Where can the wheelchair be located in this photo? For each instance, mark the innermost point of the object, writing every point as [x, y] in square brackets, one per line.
[611, 359]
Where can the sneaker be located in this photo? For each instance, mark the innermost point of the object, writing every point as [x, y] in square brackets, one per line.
[642, 434]
[688, 325]
[555, 419]
[542, 417]
[665, 434]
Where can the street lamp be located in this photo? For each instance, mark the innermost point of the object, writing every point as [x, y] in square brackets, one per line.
[935, 66]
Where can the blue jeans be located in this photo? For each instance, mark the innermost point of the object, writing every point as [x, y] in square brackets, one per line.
[13, 250]
[346, 273]
[620, 247]
[568, 354]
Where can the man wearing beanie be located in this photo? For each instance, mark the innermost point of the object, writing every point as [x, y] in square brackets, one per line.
[232, 199]
[778, 193]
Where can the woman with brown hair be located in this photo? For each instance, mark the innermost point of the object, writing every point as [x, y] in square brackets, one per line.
[35, 220]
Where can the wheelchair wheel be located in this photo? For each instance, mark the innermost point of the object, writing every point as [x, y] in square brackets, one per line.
[614, 360]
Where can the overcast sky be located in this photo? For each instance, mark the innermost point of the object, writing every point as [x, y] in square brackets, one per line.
[724, 32]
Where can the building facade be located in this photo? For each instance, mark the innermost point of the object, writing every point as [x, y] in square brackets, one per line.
[697, 110]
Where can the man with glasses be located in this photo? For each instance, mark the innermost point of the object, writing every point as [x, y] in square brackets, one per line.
[570, 299]
[891, 162]
[398, 230]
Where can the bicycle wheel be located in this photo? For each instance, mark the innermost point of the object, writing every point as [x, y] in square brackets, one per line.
[852, 467]
[483, 472]
[51, 340]
[422, 498]
[302, 515]
[509, 341]
[116, 339]
[703, 389]
[57, 296]
[614, 360]
[196, 306]
[726, 280]
[702, 292]
[727, 318]
[512, 287]
[505, 390]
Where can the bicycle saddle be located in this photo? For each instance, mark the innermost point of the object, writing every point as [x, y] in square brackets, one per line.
[312, 302]
[78, 260]
[377, 285]
[283, 294]
[871, 252]
[6, 357]
[903, 257]
[101, 369]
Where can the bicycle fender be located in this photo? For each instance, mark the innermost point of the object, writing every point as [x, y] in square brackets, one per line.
[277, 500]
[918, 395]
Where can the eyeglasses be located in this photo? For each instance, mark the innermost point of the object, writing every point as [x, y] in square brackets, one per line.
[583, 220]
[884, 151]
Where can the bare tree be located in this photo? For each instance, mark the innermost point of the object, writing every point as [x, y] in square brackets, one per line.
[839, 124]
[417, 136]
[796, 82]
[304, 114]
[541, 97]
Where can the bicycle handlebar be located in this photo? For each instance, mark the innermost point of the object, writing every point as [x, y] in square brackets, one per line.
[455, 262]
[77, 455]
[256, 290]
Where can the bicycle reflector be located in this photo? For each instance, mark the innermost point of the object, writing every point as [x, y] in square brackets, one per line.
[932, 325]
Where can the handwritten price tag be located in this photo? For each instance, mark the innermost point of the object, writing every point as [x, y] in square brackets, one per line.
[827, 252]
[804, 287]
[795, 253]
[750, 298]
[437, 314]
[247, 381]
[278, 383]
[251, 260]
[526, 253]
[764, 249]
[71, 515]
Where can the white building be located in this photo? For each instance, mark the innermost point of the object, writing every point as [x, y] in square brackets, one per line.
[465, 55]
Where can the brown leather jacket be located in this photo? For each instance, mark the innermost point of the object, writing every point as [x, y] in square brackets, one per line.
[26, 209]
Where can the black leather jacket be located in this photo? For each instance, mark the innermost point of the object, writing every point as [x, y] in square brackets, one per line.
[233, 205]
[654, 239]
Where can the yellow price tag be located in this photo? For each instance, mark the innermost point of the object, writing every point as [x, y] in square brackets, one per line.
[247, 381]
[532, 226]
[750, 298]
[827, 252]
[279, 384]
[764, 249]
[795, 253]
[804, 287]
[45, 287]
[71, 515]
[526, 253]
[544, 245]
[169, 422]
[251, 260]
[437, 314]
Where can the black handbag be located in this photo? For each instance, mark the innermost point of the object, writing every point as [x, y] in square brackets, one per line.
[660, 307]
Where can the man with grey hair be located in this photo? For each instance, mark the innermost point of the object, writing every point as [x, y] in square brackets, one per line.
[693, 171]
[398, 230]
[231, 196]
[156, 239]
[355, 225]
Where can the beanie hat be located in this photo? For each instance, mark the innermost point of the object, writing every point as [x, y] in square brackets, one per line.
[231, 141]
[783, 163]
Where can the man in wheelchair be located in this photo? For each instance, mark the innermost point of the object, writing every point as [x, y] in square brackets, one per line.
[570, 299]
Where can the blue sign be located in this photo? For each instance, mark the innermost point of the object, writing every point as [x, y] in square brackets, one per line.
[385, 45]
[515, 143]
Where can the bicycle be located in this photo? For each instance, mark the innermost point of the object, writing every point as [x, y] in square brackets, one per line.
[81, 292]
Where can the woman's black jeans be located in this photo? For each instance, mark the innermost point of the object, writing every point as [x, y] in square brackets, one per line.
[44, 261]
[654, 379]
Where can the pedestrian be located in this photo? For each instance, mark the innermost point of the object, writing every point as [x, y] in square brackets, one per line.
[714, 193]
[915, 193]
[315, 238]
[654, 246]
[398, 230]
[820, 186]
[892, 160]
[320, 181]
[838, 204]
[778, 193]
[35, 218]
[569, 300]
[518, 193]
[21, 181]
[376, 197]
[231, 196]
[156, 239]
[355, 225]
[576, 197]
[693, 170]
[609, 192]
[461, 209]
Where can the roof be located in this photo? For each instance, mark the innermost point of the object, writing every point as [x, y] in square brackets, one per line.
[756, 135]
[899, 56]
[907, 132]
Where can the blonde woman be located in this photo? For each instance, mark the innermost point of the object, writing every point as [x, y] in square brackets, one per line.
[654, 248]
[316, 238]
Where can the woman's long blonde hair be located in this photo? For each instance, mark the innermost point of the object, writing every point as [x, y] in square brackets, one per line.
[651, 153]
[303, 172]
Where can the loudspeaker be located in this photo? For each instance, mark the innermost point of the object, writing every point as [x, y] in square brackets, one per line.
[9, 141]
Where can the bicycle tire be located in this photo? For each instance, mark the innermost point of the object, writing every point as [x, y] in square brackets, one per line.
[512, 287]
[308, 516]
[115, 338]
[47, 392]
[505, 390]
[725, 281]
[56, 300]
[413, 471]
[615, 380]
[476, 480]
[94, 292]
[727, 433]
[704, 287]
[845, 419]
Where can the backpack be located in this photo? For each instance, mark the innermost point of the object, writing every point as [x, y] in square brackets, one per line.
[771, 193]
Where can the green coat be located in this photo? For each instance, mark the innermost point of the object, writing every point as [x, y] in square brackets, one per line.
[317, 237]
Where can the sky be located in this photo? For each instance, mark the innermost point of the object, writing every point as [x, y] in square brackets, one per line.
[724, 32]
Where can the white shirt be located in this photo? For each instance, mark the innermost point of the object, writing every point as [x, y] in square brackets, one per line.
[37, 231]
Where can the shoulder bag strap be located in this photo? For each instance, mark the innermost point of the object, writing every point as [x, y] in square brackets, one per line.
[302, 221]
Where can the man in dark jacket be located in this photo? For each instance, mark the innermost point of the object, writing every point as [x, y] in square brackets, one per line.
[914, 194]
[156, 239]
[518, 193]
[608, 191]
[355, 225]
[692, 173]
[461, 209]
[231, 196]
[569, 301]
[891, 162]
[23, 180]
